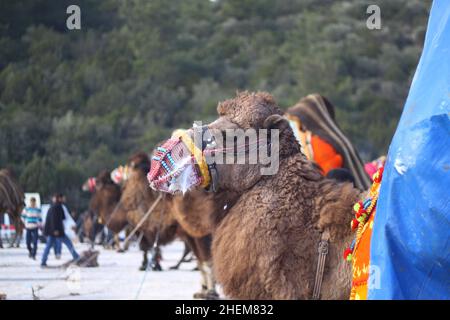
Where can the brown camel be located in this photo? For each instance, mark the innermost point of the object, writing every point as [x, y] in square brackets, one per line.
[105, 196]
[12, 200]
[136, 200]
[265, 246]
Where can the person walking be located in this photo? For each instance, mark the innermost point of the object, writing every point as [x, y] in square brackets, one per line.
[54, 230]
[57, 244]
[32, 220]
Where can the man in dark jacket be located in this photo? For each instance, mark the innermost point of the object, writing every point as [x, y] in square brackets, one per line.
[54, 230]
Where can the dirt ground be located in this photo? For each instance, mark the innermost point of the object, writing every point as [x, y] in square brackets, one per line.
[117, 276]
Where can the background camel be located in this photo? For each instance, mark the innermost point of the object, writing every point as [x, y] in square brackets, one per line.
[136, 199]
[105, 196]
[265, 246]
[12, 201]
[174, 216]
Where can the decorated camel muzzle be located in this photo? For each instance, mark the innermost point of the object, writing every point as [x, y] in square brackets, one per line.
[195, 157]
[89, 185]
[179, 164]
[120, 174]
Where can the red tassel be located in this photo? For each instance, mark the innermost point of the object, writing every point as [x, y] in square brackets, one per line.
[354, 224]
[347, 252]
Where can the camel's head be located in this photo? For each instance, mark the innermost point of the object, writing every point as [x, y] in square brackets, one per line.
[134, 191]
[139, 162]
[103, 178]
[95, 183]
[135, 187]
[232, 153]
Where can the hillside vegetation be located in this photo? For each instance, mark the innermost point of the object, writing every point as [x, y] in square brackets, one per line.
[75, 102]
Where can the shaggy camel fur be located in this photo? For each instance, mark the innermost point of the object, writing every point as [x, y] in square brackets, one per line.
[197, 212]
[12, 198]
[12, 201]
[280, 218]
[265, 246]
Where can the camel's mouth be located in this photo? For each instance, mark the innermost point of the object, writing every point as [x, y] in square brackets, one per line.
[173, 168]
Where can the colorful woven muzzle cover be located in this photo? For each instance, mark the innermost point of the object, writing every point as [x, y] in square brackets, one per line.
[120, 174]
[172, 161]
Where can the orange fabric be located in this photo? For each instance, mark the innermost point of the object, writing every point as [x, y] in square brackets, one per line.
[302, 137]
[325, 155]
[361, 260]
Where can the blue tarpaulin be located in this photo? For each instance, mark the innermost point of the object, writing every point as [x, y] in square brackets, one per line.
[410, 248]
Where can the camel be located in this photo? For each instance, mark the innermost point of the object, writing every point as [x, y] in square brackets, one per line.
[136, 200]
[174, 216]
[105, 196]
[104, 200]
[12, 201]
[266, 245]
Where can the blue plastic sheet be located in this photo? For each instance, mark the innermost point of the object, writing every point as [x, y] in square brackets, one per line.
[410, 245]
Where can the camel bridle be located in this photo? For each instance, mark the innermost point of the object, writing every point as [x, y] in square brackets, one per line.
[209, 149]
[170, 159]
[212, 169]
[208, 169]
[167, 165]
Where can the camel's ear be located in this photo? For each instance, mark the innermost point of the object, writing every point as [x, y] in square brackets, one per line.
[276, 121]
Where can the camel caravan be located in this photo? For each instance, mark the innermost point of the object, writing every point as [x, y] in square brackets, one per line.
[256, 235]
[271, 204]
[278, 204]
[274, 235]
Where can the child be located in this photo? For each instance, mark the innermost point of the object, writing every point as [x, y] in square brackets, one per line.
[32, 219]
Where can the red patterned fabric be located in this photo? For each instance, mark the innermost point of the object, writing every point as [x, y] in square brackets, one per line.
[168, 161]
[160, 154]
